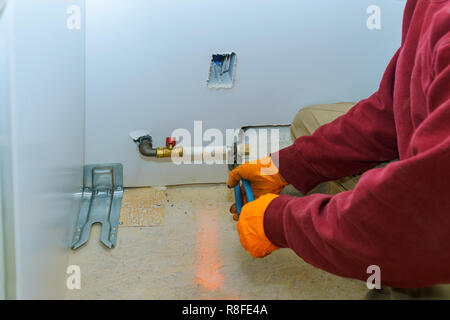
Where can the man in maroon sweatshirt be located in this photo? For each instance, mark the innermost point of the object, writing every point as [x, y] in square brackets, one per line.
[397, 217]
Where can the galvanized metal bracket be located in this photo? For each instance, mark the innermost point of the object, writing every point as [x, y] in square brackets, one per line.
[101, 202]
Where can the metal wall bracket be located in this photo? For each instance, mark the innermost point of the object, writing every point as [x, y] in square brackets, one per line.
[101, 202]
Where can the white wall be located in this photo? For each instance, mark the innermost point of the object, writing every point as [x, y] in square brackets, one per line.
[7, 260]
[44, 142]
[147, 64]
[4, 79]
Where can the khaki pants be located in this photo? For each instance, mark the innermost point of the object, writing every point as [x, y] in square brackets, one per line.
[312, 117]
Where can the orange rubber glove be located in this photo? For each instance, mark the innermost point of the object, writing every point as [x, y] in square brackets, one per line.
[251, 229]
[263, 177]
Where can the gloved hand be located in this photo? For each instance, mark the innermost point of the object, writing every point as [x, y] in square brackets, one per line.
[263, 177]
[251, 230]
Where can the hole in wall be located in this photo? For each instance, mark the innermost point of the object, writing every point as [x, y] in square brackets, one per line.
[222, 70]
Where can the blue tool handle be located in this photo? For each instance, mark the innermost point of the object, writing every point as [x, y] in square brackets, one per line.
[238, 196]
[248, 190]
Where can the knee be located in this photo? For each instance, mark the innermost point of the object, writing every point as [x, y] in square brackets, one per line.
[309, 118]
[304, 123]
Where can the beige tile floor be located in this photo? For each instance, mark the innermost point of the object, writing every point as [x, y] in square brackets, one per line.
[194, 253]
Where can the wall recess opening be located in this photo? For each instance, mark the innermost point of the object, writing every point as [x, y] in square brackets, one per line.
[222, 70]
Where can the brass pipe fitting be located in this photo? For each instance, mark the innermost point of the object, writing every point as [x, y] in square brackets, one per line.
[167, 152]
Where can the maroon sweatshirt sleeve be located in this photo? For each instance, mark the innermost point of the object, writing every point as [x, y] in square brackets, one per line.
[353, 143]
[358, 140]
[397, 217]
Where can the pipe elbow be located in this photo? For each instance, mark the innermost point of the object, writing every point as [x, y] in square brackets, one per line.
[146, 149]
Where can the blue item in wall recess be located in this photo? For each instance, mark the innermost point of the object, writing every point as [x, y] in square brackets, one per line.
[238, 195]
[222, 70]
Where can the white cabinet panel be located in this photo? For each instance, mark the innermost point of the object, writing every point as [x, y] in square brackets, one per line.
[45, 142]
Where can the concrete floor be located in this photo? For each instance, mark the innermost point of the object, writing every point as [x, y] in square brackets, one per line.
[194, 253]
